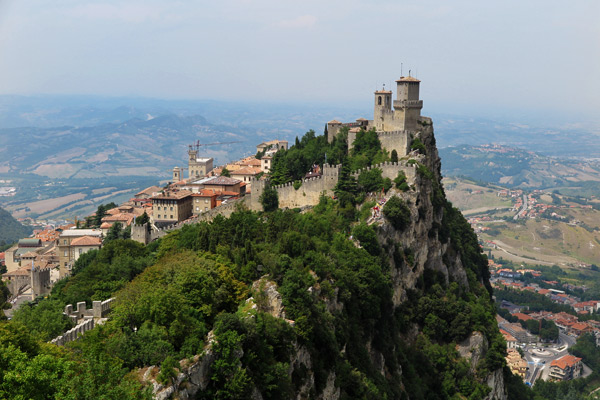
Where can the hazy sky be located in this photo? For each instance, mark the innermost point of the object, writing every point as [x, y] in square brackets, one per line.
[496, 55]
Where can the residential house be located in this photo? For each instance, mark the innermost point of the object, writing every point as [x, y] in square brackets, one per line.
[204, 200]
[565, 368]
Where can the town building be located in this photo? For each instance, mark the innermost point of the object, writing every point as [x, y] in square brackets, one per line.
[516, 363]
[511, 342]
[171, 206]
[70, 248]
[566, 368]
[272, 146]
[204, 200]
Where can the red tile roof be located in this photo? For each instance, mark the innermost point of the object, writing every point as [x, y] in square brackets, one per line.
[565, 361]
[86, 241]
[522, 317]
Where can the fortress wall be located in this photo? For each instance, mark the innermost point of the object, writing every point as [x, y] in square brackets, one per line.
[396, 140]
[309, 193]
[224, 209]
[390, 170]
[74, 333]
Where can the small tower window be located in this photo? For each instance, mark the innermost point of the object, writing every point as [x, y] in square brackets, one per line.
[379, 100]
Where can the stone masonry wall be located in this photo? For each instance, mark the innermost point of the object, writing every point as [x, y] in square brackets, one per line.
[390, 170]
[307, 195]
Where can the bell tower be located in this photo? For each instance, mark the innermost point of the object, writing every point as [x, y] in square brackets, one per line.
[383, 108]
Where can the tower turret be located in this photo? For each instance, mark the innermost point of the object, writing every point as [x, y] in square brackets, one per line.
[407, 104]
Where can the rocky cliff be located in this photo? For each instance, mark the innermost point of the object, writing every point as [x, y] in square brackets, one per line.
[434, 327]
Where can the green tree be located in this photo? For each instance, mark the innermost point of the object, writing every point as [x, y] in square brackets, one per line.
[225, 172]
[269, 199]
[397, 212]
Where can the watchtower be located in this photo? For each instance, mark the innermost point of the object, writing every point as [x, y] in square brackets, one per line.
[176, 174]
[407, 105]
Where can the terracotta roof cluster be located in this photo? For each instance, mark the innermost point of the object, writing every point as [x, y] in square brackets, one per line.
[565, 361]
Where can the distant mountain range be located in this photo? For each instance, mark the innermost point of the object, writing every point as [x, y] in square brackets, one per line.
[514, 167]
[150, 147]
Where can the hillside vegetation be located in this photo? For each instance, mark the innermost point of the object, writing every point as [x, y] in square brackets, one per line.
[11, 230]
[200, 295]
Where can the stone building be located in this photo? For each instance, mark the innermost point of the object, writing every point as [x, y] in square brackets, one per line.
[197, 166]
[395, 121]
[171, 206]
[204, 200]
[274, 145]
[71, 246]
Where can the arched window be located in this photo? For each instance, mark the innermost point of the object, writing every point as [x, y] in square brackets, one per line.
[379, 101]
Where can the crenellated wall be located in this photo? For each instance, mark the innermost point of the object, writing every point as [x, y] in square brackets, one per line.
[74, 333]
[390, 170]
[306, 195]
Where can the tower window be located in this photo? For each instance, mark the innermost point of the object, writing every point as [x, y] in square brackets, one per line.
[379, 100]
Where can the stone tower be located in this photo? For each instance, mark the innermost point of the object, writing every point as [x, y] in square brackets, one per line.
[407, 106]
[383, 114]
[176, 174]
[198, 167]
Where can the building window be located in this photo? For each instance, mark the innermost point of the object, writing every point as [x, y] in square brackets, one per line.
[197, 208]
[65, 241]
[206, 201]
[66, 253]
[171, 208]
[379, 100]
[171, 216]
[80, 250]
[158, 216]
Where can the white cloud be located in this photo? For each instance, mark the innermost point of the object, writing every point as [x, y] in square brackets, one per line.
[303, 21]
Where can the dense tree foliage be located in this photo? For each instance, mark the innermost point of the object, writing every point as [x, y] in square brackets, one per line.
[269, 199]
[11, 230]
[337, 293]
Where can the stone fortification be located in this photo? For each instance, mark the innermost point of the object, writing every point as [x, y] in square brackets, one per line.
[99, 310]
[390, 170]
[224, 209]
[85, 318]
[306, 195]
[74, 333]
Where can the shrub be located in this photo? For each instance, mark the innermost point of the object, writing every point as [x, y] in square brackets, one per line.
[400, 181]
[397, 212]
[418, 146]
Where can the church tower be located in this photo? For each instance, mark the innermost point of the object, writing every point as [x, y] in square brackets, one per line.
[407, 105]
[176, 174]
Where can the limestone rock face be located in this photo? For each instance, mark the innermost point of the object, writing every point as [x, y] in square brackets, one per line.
[267, 298]
[422, 250]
